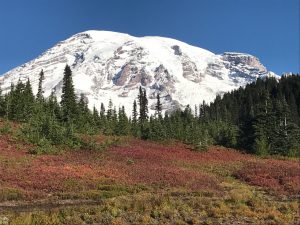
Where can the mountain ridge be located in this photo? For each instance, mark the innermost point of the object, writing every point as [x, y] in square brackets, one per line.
[111, 65]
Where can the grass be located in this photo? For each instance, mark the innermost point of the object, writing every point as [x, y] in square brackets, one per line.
[11, 194]
[168, 208]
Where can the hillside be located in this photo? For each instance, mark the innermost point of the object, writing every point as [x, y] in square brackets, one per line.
[130, 181]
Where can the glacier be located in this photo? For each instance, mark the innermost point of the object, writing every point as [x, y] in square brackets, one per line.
[109, 65]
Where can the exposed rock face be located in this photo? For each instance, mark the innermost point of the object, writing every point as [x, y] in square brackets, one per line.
[240, 58]
[177, 50]
[190, 71]
[113, 65]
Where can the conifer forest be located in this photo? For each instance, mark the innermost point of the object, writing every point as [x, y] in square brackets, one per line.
[263, 118]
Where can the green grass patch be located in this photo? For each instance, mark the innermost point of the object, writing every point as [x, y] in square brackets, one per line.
[6, 128]
[11, 194]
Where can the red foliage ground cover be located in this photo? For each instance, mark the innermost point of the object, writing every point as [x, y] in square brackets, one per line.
[137, 162]
[281, 177]
[153, 163]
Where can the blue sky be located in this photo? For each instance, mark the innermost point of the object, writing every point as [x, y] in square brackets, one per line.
[268, 29]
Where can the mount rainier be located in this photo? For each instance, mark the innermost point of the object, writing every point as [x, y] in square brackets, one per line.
[108, 65]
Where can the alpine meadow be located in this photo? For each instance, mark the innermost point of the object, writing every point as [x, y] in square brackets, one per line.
[110, 128]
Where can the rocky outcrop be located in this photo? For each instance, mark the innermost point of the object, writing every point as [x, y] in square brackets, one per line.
[190, 71]
[245, 59]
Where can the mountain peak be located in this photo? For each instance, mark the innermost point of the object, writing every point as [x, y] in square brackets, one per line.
[110, 65]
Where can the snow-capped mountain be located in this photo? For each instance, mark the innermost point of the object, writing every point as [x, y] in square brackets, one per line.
[108, 65]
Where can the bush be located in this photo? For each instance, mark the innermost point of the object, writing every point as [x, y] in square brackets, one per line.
[44, 127]
[44, 147]
[6, 128]
[294, 151]
[203, 141]
[261, 146]
[44, 131]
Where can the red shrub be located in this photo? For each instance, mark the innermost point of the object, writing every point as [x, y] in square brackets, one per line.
[282, 177]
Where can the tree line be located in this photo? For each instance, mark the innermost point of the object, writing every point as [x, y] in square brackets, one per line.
[263, 118]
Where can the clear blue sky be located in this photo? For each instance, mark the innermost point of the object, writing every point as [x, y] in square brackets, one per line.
[268, 29]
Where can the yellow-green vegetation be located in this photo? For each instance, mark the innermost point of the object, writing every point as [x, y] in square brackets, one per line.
[99, 192]
[10, 194]
[241, 204]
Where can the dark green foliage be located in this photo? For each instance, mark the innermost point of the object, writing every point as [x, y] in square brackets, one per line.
[157, 130]
[68, 97]
[95, 117]
[19, 102]
[28, 102]
[143, 105]
[135, 129]
[143, 116]
[263, 118]
[261, 146]
[44, 127]
[53, 107]
[158, 107]
[266, 114]
[2, 104]
[102, 119]
[110, 120]
[84, 119]
[39, 95]
[123, 126]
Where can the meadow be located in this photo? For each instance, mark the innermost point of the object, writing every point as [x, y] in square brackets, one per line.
[131, 181]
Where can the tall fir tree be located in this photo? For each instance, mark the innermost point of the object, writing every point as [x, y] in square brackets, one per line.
[96, 117]
[2, 104]
[84, 117]
[143, 105]
[123, 123]
[134, 121]
[28, 101]
[143, 117]
[158, 107]
[68, 97]
[39, 95]
[103, 120]
[53, 106]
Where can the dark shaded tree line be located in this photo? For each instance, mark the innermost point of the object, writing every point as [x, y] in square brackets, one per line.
[265, 116]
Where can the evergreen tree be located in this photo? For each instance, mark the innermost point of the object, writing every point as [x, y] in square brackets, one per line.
[158, 107]
[53, 106]
[134, 122]
[28, 101]
[156, 129]
[285, 133]
[143, 105]
[123, 123]
[2, 104]
[68, 98]
[8, 100]
[261, 146]
[84, 118]
[96, 117]
[111, 119]
[103, 121]
[17, 103]
[109, 113]
[40, 92]
[114, 121]
[143, 117]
